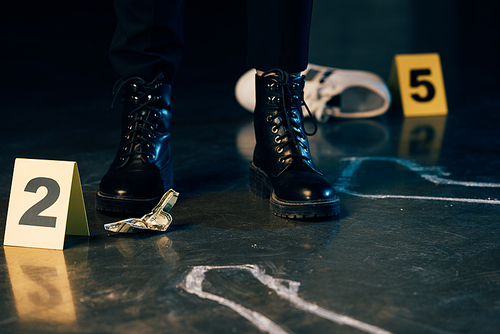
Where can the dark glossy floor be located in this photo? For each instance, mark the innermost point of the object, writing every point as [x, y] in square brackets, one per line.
[407, 255]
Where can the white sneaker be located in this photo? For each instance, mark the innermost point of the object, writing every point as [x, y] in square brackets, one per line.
[330, 92]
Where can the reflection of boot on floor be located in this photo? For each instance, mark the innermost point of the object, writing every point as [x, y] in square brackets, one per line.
[142, 169]
[282, 168]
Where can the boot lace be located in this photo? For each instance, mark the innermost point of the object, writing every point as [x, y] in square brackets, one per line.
[292, 122]
[141, 129]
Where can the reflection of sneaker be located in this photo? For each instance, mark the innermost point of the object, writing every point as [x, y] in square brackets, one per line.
[332, 141]
[330, 92]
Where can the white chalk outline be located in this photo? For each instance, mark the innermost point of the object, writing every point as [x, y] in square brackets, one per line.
[193, 283]
[433, 174]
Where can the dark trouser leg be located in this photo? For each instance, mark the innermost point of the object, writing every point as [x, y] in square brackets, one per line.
[148, 38]
[278, 34]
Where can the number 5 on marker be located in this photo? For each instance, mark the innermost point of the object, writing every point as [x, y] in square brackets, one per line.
[418, 80]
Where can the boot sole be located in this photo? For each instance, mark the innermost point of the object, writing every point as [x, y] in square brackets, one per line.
[261, 187]
[114, 204]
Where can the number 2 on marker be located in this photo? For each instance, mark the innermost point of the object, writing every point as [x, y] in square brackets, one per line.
[32, 215]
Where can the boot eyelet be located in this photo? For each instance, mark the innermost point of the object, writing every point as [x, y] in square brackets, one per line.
[269, 118]
[273, 86]
[277, 139]
[281, 160]
[134, 87]
[274, 99]
[274, 129]
[279, 150]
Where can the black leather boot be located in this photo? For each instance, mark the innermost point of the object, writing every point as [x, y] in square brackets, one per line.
[142, 169]
[282, 168]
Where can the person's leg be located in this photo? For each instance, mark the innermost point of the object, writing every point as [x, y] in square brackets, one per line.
[148, 39]
[282, 168]
[278, 34]
[146, 51]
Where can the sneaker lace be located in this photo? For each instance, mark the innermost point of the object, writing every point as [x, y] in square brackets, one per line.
[319, 98]
[141, 130]
[318, 105]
